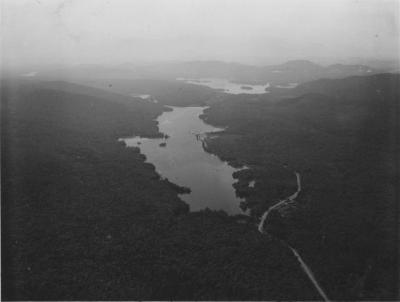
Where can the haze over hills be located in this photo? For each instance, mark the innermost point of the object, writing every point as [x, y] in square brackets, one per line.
[176, 150]
[296, 71]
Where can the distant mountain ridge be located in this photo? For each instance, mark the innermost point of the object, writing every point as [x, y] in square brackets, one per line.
[298, 71]
[295, 71]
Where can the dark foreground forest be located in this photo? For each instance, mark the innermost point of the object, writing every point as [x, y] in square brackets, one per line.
[342, 136]
[85, 218]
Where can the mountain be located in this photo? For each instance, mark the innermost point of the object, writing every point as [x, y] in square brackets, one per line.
[294, 65]
[301, 71]
[298, 71]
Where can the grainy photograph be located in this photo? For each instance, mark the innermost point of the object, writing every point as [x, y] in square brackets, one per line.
[200, 150]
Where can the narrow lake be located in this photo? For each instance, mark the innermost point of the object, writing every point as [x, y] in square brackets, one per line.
[182, 159]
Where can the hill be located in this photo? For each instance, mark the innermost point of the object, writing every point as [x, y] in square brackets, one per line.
[297, 71]
[85, 218]
[341, 135]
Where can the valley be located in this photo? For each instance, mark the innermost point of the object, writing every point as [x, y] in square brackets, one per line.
[202, 150]
[78, 176]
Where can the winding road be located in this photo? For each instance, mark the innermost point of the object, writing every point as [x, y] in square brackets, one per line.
[303, 265]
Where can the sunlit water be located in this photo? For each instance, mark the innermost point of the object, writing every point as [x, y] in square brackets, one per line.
[183, 160]
[145, 97]
[226, 86]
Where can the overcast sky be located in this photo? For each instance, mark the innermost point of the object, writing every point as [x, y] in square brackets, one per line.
[250, 31]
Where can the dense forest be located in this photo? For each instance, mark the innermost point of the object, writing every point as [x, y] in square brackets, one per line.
[200, 150]
[342, 136]
[85, 218]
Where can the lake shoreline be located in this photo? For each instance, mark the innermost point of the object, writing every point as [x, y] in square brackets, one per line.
[211, 173]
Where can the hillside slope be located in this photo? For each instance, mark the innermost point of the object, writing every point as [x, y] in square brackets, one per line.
[298, 71]
[85, 218]
[342, 136]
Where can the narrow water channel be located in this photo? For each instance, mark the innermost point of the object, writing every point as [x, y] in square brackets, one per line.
[182, 159]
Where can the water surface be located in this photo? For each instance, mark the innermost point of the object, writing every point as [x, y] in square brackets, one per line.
[226, 86]
[182, 159]
[288, 86]
[145, 97]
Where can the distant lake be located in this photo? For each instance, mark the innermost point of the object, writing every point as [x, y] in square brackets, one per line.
[226, 86]
[145, 97]
[288, 86]
[184, 162]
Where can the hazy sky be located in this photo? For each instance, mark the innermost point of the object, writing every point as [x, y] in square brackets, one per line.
[251, 31]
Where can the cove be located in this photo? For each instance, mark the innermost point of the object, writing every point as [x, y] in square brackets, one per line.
[182, 159]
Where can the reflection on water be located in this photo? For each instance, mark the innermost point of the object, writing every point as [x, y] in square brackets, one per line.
[182, 159]
[228, 87]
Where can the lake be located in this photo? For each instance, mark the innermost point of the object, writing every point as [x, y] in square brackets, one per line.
[145, 97]
[226, 86]
[182, 159]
